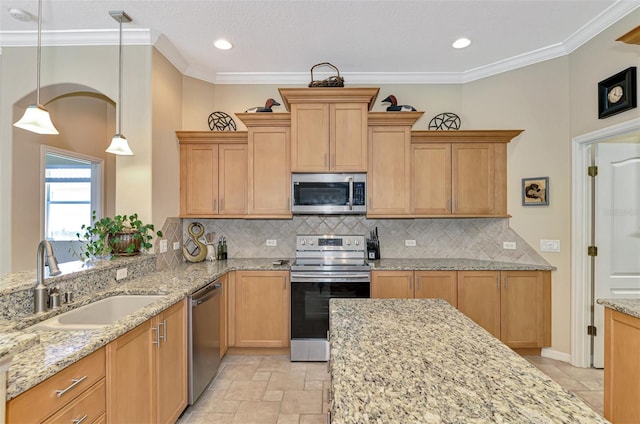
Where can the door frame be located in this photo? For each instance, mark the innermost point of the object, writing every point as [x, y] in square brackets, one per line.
[581, 234]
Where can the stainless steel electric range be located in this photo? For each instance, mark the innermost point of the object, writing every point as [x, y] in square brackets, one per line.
[326, 266]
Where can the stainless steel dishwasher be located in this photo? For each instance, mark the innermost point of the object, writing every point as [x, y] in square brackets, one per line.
[204, 338]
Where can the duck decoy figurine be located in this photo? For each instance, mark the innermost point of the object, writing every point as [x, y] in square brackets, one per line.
[395, 107]
[267, 107]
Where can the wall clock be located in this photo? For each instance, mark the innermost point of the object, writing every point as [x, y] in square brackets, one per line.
[617, 93]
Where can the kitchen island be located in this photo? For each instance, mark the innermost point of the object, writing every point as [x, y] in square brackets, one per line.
[422, 361]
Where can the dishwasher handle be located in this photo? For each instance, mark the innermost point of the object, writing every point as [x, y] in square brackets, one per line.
[206, 294]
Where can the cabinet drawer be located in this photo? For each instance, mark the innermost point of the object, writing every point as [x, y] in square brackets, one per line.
[45, 396]
[86, 408]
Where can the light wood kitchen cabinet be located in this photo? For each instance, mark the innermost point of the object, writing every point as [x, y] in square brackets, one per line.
[147, 370]
[415, 285]
[459, 173]
[82, 386]
[514, 306]
[213, 174]
[621, 367]
[261, 310]
[328, 128]
[389, 176]
[269, 181]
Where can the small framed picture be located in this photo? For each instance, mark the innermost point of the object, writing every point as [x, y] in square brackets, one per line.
[617, 93]
[535, 191]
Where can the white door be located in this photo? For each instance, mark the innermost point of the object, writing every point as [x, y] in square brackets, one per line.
[617, 220]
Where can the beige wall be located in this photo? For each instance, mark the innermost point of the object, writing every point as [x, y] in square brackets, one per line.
[166, 103]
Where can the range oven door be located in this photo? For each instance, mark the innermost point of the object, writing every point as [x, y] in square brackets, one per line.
[310, 294]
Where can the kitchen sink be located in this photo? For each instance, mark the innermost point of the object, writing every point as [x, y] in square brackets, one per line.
[97, 314]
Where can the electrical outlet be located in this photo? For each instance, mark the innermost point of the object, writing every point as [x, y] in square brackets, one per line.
[272, 242]
[509, 245]
[163, 246]
[121, 273]
[176, 245]
[549, 245]
[410, 243]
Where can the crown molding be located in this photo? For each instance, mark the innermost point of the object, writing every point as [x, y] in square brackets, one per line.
[68, 38]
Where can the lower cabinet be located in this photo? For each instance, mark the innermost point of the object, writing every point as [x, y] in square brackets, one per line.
[415, 284]
[621, 367]
[147, 370]
[514, 306]
[75, 392]
[261, 309]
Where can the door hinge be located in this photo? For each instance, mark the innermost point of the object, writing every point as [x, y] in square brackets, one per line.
[592, 250]
[592, 171]
[591, 330]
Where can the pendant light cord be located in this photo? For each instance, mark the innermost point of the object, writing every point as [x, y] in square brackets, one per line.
[120, 81]
[38, 48]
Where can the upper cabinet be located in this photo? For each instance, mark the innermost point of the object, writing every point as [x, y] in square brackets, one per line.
[329, 128]
[213, 174]
[269, 141]
[460, 173]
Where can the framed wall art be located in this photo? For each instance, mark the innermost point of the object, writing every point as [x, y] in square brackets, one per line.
[617, 93]
[535, 191]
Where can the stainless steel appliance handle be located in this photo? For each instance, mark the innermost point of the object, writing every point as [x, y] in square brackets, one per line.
[350, 193]
[204, 294]
[350, 275]
[201, 300]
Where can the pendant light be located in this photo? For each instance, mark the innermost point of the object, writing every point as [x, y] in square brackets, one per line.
[119, 145]
[36, 118]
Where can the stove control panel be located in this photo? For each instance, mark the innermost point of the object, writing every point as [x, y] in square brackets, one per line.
[330, 242]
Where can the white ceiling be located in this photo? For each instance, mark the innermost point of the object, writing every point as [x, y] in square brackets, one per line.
[370, 41]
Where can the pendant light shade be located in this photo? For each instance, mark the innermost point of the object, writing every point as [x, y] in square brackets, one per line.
[119, 145]
[36, 118]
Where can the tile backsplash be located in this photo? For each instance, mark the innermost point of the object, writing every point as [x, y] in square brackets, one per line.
[477, 238]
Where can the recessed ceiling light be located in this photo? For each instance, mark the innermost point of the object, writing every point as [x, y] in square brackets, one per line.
[222, 44]
[20, 14]
[461, 43]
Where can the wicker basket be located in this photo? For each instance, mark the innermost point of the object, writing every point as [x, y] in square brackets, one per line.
[333, 81]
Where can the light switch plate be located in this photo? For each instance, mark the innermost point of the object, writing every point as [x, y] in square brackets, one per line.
[509, 245]
[410, 243]
[121, 273]
[549, 245]
[176, 245]
[163, 246]
[272, 242]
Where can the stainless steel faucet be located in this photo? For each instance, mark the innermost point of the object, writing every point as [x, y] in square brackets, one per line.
[40, 292]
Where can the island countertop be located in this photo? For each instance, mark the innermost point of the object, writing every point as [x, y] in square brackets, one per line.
[626, 306]
[422, 361]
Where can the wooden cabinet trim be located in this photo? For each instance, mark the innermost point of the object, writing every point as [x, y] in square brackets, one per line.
[212, 137]
[329, 95]
[464, 136]
[379, 119]
[266, 119]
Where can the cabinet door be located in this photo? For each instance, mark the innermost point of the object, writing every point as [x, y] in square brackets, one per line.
[621, 367]
[479, 298]
[348, 137]
[130, 376]
[475, 181]
[522, 309]
[437, 284]
[431, 179]
[198, 179]
[171, 369]
[269, 173]
[232, 160]
[392, 284]
[389, 173]
[310, 137]
[262, 309]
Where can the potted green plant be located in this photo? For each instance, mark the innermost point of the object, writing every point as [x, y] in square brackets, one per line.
[122, 235]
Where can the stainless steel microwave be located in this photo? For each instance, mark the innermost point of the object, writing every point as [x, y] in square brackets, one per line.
[329, 193]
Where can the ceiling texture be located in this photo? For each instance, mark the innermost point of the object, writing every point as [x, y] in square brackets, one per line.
[370, 41]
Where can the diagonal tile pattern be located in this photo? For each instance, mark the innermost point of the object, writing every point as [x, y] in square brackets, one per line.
[270, 389]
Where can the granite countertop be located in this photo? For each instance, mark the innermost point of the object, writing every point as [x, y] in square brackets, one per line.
[454, 264]
[39, 354]
[422, 361]
[626, 306]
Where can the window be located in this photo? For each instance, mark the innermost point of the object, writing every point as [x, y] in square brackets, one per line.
[72, 191]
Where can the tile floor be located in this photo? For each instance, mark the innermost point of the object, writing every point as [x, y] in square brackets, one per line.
[271, 389]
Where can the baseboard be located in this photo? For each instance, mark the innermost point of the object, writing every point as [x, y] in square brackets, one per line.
[554, 354]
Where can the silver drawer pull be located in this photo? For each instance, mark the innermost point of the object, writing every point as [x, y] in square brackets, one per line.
[74, 383]
[78, 420]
